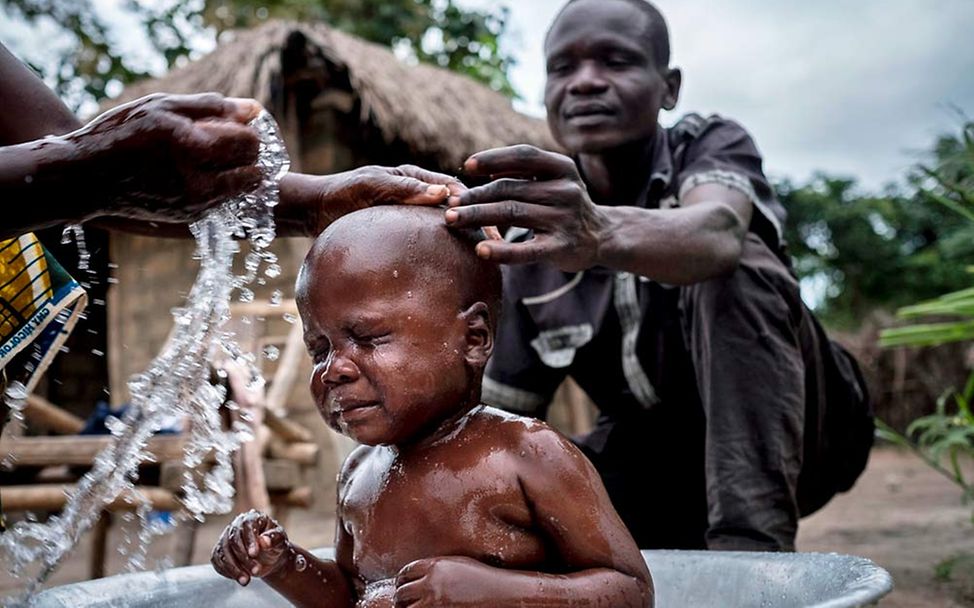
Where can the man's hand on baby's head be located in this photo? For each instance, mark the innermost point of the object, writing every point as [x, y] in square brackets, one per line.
[253, 545]
[445, 581]
[338, 194]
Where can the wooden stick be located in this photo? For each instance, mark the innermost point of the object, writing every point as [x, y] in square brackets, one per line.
[45, 451]
[48, 416]
[99, 544]
[263, 308]
[301, 453]
[287, 370]
[288, 430]
[52, 497]
[184, 543]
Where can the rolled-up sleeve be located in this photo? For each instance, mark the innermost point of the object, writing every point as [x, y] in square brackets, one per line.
[724, 153]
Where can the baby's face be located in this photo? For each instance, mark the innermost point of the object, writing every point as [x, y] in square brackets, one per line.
[388, 351]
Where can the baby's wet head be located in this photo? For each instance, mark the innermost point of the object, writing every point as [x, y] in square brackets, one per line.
[409, 248]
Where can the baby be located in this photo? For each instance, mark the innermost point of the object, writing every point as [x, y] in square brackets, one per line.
[447, 502]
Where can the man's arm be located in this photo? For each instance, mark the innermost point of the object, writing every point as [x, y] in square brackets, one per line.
[310, 202]
[28, 109]
[602, 565]
[700, 240]
[70, 178]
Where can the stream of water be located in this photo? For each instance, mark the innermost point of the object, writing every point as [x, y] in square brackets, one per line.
[177, 382]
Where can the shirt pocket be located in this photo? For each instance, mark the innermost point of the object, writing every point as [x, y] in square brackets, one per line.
[557, 347]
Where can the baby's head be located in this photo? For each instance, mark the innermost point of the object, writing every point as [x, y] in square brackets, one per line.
[399, 316]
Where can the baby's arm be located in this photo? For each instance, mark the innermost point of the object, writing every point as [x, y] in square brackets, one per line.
[254, 545]
[573, 512]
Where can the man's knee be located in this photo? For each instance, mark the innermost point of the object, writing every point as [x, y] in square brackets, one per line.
[760, 291]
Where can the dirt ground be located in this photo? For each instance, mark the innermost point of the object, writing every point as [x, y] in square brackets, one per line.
[901, 515]
[908, 519]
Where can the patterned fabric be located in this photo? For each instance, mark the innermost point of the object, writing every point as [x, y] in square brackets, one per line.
[39, 305]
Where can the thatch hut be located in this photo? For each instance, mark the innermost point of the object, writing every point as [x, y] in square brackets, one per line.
[345, 102]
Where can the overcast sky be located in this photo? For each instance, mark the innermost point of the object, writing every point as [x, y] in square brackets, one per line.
[854, 87]
[857, 87]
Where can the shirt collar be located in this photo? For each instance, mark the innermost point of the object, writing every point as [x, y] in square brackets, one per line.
[660, 171]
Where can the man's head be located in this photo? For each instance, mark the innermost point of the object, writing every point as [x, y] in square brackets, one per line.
[399, 315]
[608, 74]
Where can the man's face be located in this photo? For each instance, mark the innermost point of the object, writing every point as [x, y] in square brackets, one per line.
[387, 350]
[603, 89]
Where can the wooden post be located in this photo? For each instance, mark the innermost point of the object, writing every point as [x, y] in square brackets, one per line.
[47, 451]
[50, 417]
[53, 496]
[287, 370]
[184, 542]
[99, 542]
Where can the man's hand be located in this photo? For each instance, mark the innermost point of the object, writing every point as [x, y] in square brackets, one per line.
[161, 158]
[252, 545]
[532, 189]
[309, 203]
[445, 581]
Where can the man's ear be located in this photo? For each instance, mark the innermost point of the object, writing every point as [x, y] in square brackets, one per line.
[674, 80]
[479, 342]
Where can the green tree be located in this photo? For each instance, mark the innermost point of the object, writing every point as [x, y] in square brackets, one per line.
[878, 251]
[434, 31]
[945, 439]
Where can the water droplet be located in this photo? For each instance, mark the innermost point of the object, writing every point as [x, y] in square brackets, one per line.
[246, 295]
[273, 271]
[271, 353]
[276, 297]
[300, 563]
[289, 318]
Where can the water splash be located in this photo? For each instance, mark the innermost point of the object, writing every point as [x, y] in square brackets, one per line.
[177, 382]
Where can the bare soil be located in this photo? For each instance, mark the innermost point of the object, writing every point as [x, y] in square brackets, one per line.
[902, 515]
[908, 519]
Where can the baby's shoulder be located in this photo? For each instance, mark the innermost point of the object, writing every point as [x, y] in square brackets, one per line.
[531, 439]
[353, 462]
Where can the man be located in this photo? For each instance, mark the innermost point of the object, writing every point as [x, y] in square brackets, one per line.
[655, 276]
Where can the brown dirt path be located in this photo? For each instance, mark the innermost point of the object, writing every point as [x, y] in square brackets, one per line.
[907, 518]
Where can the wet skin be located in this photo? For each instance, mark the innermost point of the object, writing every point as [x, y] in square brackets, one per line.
[603, 94]
[449, 503]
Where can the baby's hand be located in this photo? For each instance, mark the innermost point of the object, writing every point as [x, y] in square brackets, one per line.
[446, 581]
[252, 545]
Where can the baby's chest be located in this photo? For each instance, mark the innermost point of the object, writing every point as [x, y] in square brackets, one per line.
[402, 519]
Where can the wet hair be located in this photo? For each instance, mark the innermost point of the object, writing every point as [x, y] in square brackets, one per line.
[656, 35]
[437, 256]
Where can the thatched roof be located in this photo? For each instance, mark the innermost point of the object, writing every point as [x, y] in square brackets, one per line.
[437, 113]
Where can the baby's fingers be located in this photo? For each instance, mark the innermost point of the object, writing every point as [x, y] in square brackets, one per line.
[226, 565]
[273, 544]
[273, 539]
[249, 536]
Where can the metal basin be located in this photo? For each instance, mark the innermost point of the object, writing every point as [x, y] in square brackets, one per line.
[692, 579]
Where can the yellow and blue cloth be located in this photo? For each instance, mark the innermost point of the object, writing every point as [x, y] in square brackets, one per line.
[39, 305]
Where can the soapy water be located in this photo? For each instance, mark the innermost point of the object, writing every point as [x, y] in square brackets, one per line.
[176, 383]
